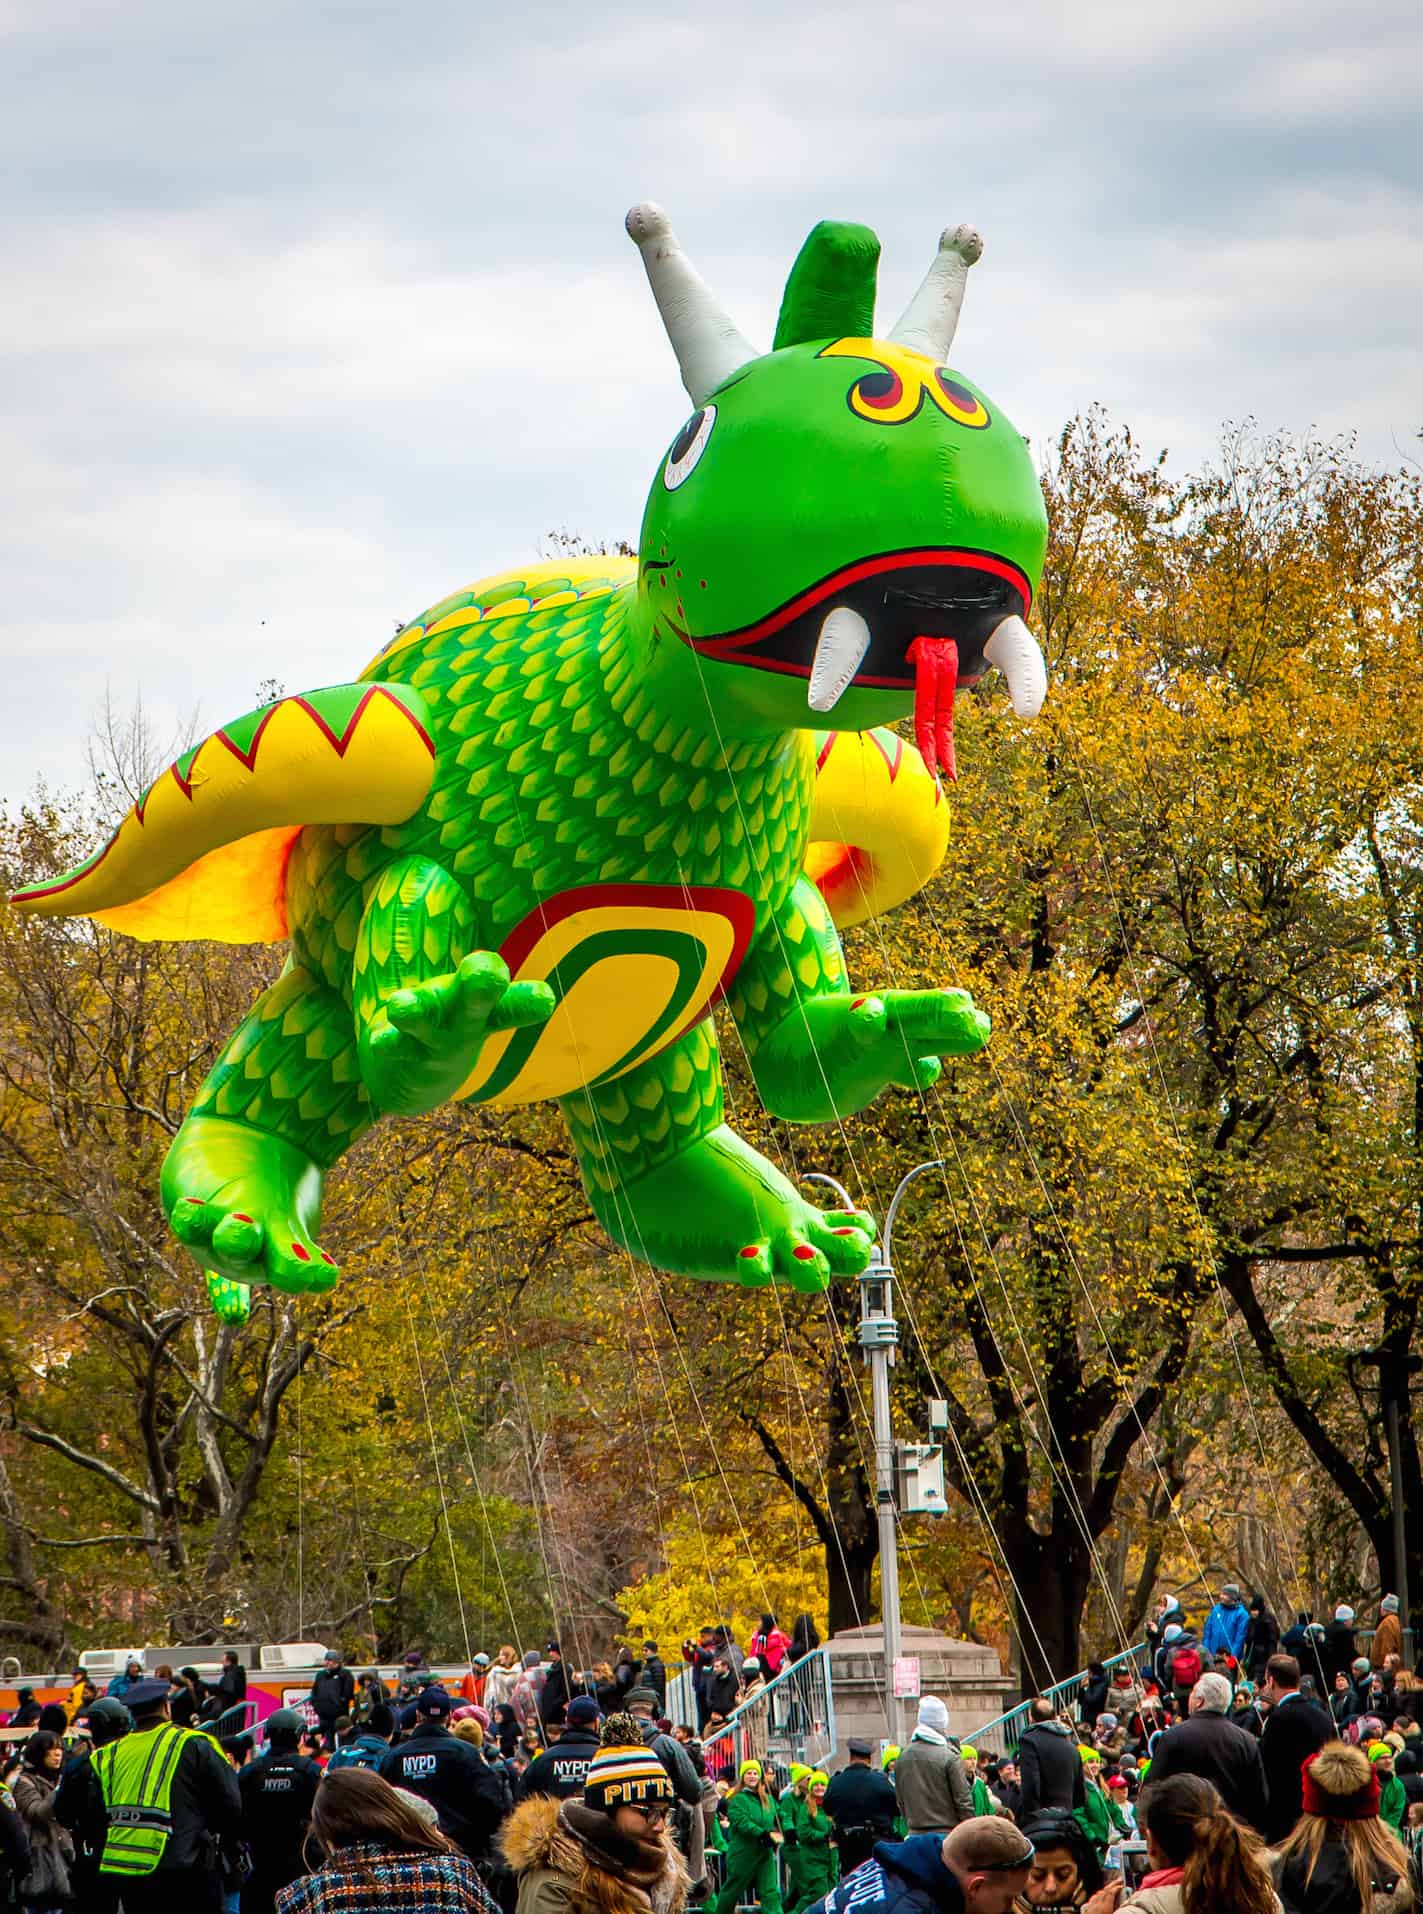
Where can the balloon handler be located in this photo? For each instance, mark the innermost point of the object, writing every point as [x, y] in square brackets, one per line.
[753, 1842]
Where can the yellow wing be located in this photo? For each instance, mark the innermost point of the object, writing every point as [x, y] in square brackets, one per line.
[879, 824]
[203, 853]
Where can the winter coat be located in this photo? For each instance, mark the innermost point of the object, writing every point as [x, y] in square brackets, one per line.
[1156, 1634]
[1388, 1640]
[908, 1877]
[1214, 1748]
[862, 1798]
[1124, 1699]
[554, 1696]
[277, 1791]
[499, 1686]
[931, 1786]
[1339, 1651]
[51, 1850]
[1262, 1639]
[1049, 1768]
[331, 1694]
[561, 1874]
[1098, 1821]
[467, 1795]
[1332, 1888]
[654, 1676]
[750, 1823]
[686, 1782]
[1294, 1730]
[1225, 1630]
[770, 1650]
[721, 1692]
[366, 1879]
[810, 1857]
[559, 1771]
[14, 1845]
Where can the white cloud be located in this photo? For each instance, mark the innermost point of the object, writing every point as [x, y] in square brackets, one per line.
[311, 315]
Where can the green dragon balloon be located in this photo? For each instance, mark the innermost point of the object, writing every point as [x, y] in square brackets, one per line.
[568, 810]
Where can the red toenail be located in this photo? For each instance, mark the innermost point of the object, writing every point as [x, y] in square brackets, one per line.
[302, 1255]
[751, 1250]
[199, 1200]
[845, 1232]
[803, 1253]
[855, 1002]
[241, 1216]
[328, 1259]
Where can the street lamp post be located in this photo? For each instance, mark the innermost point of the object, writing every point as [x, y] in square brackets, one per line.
[879, 1340]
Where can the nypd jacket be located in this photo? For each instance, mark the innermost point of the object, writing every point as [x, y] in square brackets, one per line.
[277, 1792]
[559, 1770]
[902, 1877]
[465, 1792]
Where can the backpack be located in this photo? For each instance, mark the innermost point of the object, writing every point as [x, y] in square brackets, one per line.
[1186, 1667]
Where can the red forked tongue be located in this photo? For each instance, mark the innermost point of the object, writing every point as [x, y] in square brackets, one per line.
[936, 673]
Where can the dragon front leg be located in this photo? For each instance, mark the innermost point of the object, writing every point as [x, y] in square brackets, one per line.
[242, 1182]
[819, 1051]
[676, 1186]
[426, 1000]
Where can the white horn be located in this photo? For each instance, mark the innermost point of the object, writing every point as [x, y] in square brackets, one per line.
[707, 344]
[1014, 650]
[931, 318]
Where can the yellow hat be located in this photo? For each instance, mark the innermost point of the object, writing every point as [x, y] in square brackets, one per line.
[1088, 1754]
[968, 1754]
[799, 1771]
[891, 1753]
[1380, 1750]
[749, 1767]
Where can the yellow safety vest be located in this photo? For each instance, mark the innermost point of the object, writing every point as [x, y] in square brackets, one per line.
[136, 1779]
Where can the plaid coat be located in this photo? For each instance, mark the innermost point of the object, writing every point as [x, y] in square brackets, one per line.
[372, 1880]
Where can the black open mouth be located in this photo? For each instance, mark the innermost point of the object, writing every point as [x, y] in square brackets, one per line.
[938, 592]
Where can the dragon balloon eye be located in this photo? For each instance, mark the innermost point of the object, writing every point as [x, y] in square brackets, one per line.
[687, 448]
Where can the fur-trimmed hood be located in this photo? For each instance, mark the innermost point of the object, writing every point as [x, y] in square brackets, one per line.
[533, 1839]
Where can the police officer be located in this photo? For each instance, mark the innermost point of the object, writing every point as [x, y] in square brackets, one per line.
[862, 1805]
[170, 1804]
[277, 1792]
[469, 1798]
[559, 1770]
[79, 1805]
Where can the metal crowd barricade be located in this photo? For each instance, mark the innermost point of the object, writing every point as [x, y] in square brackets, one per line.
[1005, 1731]
[791, 1719]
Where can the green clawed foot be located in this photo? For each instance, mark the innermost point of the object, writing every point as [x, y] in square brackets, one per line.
[720, 1212]
[833, 1055]
[419, 1049]
[247, 1205]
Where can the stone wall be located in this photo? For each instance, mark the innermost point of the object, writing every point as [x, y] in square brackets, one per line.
[966, 1677]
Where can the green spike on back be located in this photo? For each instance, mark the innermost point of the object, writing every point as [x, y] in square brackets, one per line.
[830, 293]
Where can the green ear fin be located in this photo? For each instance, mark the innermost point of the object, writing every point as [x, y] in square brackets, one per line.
[830, 293]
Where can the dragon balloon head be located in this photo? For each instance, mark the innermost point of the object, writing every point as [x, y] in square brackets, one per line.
[844, 529]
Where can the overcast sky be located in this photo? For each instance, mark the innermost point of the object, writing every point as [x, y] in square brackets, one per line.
[314, 313]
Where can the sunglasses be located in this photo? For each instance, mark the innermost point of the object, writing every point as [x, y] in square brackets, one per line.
[1005, 1867]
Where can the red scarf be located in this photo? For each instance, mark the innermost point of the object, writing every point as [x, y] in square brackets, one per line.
[1164, 1877]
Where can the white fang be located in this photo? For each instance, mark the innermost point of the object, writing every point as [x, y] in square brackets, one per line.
[1014, 650]
[839, 653]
